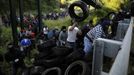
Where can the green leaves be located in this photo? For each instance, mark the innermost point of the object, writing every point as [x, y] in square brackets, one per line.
[30, 5]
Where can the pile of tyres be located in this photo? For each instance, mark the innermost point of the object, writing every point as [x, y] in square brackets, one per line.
[59, 60]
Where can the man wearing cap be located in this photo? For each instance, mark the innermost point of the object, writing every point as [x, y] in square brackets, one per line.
[98, 31]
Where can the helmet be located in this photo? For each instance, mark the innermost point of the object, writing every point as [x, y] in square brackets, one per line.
[25, 42]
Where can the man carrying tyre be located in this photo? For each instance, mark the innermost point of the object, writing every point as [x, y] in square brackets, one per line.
[99, 31]
[72, 33]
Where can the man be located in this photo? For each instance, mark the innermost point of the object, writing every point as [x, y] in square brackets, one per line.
[45, 31]
[63, 36]
[98, 31]
[72, 33]
[15, 57]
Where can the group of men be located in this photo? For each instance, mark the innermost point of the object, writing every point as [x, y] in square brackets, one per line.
[100, 30]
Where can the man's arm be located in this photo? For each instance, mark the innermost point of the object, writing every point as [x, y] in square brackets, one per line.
[72, 27]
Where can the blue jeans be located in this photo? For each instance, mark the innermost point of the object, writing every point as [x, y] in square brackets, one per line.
[71, 45]
[87, 46]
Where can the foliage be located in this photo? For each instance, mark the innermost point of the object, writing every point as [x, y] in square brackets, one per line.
[5, 37]
[4, 8]
[58, 23]
[67, 1]
[112, 4]
[30, 5]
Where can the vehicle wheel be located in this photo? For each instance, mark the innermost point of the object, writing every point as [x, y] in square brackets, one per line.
[84, 8]
[78, 68]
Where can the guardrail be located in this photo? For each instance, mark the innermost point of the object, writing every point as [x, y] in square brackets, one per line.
[119, 51]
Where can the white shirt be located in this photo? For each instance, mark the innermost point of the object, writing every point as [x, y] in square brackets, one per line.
[72, 34]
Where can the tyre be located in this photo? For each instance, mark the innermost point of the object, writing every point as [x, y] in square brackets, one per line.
[49, 61]
[78, 68]
[75, 55]
[61, 50]
[36, 70]
[72, 13]
[42, 48]
[46, 46]
[52, 71]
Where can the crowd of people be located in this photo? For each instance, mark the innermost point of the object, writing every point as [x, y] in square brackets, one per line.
[46, 16]
[72, 36]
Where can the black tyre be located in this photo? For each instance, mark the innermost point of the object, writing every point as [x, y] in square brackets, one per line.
[75, 55]
[52, 71]
[84, 8]
[78, 68]
[61, 50]
[36, 70]
[49, 61]
[45, 50]
[47, 45]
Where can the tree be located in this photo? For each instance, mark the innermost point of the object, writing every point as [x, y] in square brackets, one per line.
[30, 5]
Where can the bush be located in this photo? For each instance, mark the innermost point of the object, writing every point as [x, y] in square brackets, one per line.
[58, 23]
[5, 37]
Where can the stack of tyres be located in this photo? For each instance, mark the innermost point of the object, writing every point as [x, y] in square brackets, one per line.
[57, 60]
[60, 59]
[45, 49]
[48, 61]
[52, 57]
[47, 45]
[61, 51]
[76, 68]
